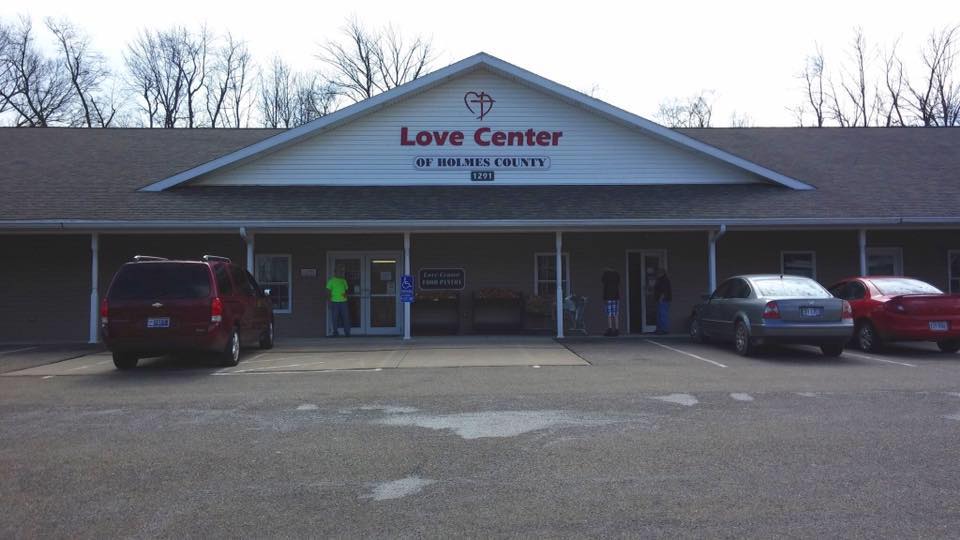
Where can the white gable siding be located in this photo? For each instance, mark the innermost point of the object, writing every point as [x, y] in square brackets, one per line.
[593, 149]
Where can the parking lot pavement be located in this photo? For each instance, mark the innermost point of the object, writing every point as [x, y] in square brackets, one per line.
[500, 452]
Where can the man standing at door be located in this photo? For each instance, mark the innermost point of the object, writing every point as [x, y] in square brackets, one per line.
[611, 300]
[339, 310]
[663, 292]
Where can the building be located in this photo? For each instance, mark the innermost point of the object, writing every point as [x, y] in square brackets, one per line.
[475, 177]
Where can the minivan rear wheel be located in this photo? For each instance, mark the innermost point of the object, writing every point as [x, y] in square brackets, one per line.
[124, 361]
[266, 340]
[231, 355]
[949, 346]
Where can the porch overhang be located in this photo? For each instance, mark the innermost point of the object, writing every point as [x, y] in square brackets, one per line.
[80, 226]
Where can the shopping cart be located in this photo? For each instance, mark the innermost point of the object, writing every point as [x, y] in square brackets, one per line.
[574, 308]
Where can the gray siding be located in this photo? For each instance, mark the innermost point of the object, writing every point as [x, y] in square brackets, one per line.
[44, 288]
[45, 279]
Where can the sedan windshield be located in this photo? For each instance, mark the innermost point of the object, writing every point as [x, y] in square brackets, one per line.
[898, 286]
[790, 288]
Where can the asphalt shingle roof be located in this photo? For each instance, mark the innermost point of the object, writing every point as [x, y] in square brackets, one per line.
[95, 174]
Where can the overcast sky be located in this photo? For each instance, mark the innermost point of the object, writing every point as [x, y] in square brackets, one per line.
[630, 54]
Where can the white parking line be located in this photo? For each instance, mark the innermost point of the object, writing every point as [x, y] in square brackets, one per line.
[691, 355]
[865, 357]
[265, 367]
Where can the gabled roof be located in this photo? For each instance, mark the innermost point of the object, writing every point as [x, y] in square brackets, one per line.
[57, 179]
[497, 66]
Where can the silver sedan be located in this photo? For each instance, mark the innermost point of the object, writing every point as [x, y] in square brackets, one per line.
[754, 310]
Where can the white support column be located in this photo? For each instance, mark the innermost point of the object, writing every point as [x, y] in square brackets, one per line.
[94, 288]
[406, 271]
[862, 241]
[559, 263]
[712, 238]
[249, 239]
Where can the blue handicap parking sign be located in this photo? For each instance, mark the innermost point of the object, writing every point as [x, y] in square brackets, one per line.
[406, 289]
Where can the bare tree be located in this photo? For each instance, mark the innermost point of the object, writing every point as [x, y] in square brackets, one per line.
[894, 83]
[813, 76]
[367, 62]
[87, 69]
[940, 58]
[856, 89]
[37, 88]
[227, 82]
[188, 52]
[398, 61]
[739, 120]
[6, 74]
[276, 102]
[313, 98]
[693, 112]
[168, 71]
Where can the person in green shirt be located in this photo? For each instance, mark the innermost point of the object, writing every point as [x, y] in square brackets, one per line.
[339, 310]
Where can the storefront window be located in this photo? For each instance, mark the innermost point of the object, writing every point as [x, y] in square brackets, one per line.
[799, 263]
[273, 272]
[954, 258]
[883, 261]
[545, 274]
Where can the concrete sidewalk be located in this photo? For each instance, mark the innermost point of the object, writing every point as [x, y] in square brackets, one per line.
[24, 356]
[351, 353]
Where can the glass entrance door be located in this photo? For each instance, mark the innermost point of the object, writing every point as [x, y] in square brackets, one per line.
[642, 267]
[373, 281]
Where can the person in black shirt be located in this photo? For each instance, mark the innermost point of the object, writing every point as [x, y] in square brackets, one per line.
[611, 300]
[663, 292]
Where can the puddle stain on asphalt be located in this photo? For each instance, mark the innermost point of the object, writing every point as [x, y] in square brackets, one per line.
[397, 489]
[679, 399]
[486, 424]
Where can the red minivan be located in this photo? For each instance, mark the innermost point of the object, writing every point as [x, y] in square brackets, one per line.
[156, 306]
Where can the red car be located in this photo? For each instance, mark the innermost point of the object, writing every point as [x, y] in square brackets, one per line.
[890, 308]
[156, 306]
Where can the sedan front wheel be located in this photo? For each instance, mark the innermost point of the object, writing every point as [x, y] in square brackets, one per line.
[696, 331]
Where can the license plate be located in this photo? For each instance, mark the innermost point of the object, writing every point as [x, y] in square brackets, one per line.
[938, 326]
[811, 311]
[158, 322]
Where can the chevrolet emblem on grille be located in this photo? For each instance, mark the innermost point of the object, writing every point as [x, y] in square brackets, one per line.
[157, 304]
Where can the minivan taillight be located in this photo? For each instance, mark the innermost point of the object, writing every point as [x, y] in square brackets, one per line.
[104, 312]
[847, 312]
[771, 311]
[216, 311]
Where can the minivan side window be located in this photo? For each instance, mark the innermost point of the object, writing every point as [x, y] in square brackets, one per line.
[253, 283]
[240, 279]
[223, 279]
